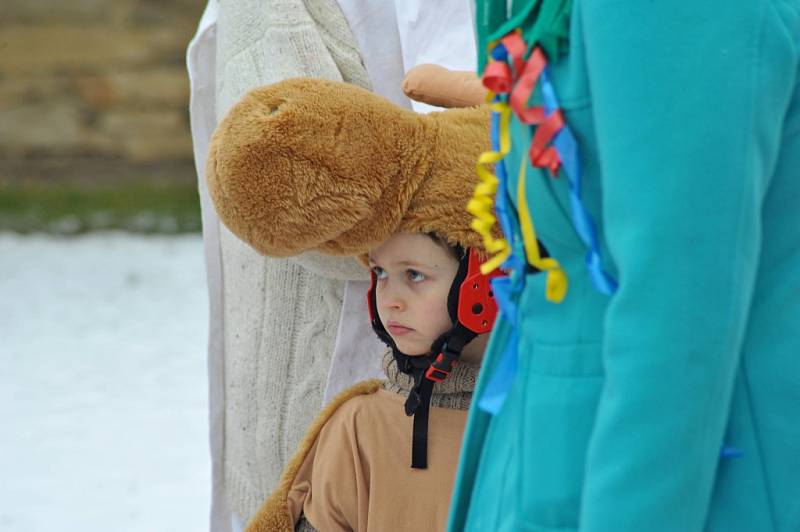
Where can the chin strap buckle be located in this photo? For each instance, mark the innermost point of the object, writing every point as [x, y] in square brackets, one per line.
[440, 369]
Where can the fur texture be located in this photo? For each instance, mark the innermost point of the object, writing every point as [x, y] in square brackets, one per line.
[309, 164]
[273, 516]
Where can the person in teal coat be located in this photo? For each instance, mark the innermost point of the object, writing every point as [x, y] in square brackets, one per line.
[663, 392]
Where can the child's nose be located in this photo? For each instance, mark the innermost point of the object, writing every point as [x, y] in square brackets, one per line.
[392, 298]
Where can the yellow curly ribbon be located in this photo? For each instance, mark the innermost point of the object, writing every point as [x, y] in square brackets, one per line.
[557, 283]
[482, 203]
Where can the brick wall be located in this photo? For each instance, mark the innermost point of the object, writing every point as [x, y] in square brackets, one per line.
[95, 90]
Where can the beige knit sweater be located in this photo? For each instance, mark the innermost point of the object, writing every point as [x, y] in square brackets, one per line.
[280, 315]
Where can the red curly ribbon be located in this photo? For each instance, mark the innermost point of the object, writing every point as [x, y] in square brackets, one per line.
[497, 77]
[516, 48]
[531, 115]
[541, 154]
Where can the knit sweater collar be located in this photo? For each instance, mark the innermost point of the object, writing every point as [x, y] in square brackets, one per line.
[454, 392]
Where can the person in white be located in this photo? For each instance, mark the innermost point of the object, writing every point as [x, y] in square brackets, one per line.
[286, 335]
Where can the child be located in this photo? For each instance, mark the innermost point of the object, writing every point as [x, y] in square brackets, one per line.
[339, 170]
[352, 470]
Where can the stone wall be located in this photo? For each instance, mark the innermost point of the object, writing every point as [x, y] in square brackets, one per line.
[95, 90]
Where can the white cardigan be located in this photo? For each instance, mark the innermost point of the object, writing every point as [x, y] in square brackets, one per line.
[273, 321]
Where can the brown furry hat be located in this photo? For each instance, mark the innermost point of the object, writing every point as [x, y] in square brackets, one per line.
[310, 164]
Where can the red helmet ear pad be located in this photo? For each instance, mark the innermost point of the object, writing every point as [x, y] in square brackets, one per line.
[477, 308]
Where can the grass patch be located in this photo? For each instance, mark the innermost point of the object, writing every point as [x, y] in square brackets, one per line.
[74, 209]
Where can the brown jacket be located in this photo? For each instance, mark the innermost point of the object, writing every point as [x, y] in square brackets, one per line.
[352, 471]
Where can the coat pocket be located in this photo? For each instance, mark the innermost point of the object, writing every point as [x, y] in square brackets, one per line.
[562, 388]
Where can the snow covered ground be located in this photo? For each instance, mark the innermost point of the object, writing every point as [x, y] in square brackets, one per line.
[103, 420]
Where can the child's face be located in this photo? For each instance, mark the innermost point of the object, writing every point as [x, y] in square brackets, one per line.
[414, 275]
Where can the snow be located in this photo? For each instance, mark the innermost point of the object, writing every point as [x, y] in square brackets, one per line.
[103, 387]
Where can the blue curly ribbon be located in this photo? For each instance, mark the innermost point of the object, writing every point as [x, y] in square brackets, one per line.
[496, 391]
[567, 148]
[508, 222]
[505, 288]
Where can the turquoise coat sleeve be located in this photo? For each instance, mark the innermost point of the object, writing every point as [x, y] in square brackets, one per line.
[688, 99]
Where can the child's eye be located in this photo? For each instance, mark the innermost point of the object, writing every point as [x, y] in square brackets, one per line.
[415, 277]
[379, 272]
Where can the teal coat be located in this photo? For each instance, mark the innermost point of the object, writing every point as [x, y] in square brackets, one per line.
[687, 115]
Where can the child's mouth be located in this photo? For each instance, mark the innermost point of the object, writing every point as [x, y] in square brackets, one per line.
[398, 330]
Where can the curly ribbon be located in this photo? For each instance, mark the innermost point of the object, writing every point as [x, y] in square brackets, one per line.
[557, 283]
[501, 140]
[504, 288]
[498, 79]
[482, 200]
[525, 248]
[567, 149]
[496, 391]
[554, 147]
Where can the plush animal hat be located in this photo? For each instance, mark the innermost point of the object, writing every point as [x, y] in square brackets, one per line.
[309, 164]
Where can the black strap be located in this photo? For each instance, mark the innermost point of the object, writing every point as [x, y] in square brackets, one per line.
[419, 441]
[418, 402]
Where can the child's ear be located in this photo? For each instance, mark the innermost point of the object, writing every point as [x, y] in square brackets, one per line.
[436, 85]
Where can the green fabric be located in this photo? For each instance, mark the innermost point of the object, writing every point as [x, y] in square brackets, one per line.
[543, 22]
[688, 120]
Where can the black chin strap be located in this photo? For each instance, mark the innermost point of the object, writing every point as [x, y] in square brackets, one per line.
[426, 373]
[418, 404]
